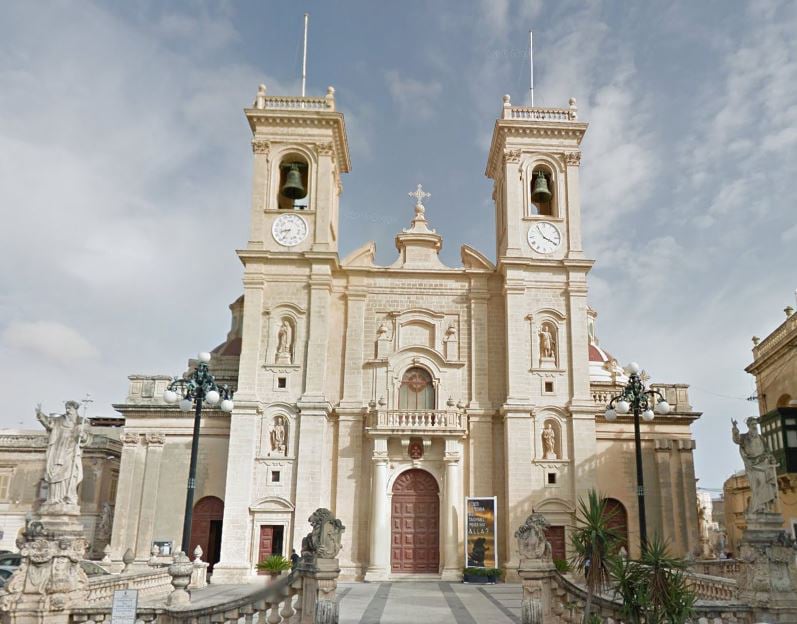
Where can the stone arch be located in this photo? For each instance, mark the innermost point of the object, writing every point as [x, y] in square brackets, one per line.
[206, 524]
[617, 519]
[552, 169]
[783, 400]
[281, 159]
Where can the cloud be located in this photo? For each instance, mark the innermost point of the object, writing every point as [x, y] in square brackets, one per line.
[414, 99]
[50, 339]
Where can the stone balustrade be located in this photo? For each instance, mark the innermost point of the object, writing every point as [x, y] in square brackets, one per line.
[150, 584]
[713, 588]
[296, 102]
[726, 568]
[540, 114]
[419, 421]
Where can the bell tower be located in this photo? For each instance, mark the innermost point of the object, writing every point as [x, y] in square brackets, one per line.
[300, 151]
[534, 163]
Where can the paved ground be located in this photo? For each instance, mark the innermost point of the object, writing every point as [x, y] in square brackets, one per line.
[428, 602]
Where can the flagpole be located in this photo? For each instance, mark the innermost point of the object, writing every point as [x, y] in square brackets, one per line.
[531, 67]
[304, 56]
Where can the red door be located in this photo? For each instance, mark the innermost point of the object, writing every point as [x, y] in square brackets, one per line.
[556, 537]
[618, 520]
[206, 529]
[415, 544]
[266, 544]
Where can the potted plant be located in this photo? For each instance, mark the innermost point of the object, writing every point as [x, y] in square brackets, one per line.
[274, 566]
[481, 576]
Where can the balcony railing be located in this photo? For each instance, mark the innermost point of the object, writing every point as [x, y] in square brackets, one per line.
[420, 421]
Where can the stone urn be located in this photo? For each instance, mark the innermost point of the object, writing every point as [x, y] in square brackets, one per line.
[180, 571]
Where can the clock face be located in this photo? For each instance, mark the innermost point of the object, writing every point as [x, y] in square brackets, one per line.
[544, 237]
[289, 230]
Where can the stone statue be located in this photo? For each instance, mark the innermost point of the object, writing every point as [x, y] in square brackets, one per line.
[323, 541]
[549, 442]
[531, 540]
[284, 343]
[547, 342]
[759, 465]
[64, 469]
[278, 435]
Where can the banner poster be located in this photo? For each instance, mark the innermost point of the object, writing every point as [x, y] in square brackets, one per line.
[480, 546]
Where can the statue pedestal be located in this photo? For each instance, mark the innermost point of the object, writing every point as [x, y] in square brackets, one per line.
[536, 579]
[49, 579]
[767, 577]
[548, 362]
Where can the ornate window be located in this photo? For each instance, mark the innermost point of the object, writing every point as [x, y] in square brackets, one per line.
[417, 390]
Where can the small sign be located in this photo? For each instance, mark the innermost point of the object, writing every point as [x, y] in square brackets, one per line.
[480, 544]
[125, 603]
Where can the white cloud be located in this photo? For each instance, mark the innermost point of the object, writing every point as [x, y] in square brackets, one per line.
[415, 99]
[55, 341]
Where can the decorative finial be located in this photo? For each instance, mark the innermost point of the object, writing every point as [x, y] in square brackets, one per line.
[260, 98]
[419, 194]
[507, 100]
[573, 108]
[329, 99]
[789, 311]
[756, 340]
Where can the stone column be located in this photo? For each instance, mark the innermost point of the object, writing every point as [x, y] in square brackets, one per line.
[146, 518]
[128, 496]
[380, 515]
[452, 514]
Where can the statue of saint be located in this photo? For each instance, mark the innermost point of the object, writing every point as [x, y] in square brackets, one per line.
[759, 465]
[278, 435]
[64, 469]
[284, 342]
[547, 343]
[549, 442]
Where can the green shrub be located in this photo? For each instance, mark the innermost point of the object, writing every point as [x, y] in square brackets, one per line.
[274, 564]
[491, 573]
[561, 565]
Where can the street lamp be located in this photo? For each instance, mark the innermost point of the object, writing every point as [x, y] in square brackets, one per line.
[190, 393]
[636, 398]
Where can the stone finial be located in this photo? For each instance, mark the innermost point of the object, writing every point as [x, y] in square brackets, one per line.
[153, 555]
[198, 553]
[329, 98]
[107, 554]
[324, 541]
[573, 108]
[382, 401]
[450, 402]
[789, 311]
[756, 340]
[128, 558]
[180, 571]
[461, 404]
[507, 100]
[531, 540]
[260, 98]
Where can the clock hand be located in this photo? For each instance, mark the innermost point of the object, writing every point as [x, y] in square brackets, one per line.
[548, 239]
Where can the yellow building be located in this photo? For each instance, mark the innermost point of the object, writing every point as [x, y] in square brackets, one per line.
[775, 369]
[390, 393]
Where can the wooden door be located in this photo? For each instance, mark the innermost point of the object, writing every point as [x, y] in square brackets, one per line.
[618, 520]
[415, 533]
[206, 528]
[556, 537]
[266, 544]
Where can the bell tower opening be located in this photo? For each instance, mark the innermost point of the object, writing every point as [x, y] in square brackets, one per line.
[292, 193]
[542, 193]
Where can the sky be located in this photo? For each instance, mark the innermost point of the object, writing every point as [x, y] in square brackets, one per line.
[125, 170]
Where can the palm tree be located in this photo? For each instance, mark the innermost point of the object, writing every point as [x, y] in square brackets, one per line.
[594, 541]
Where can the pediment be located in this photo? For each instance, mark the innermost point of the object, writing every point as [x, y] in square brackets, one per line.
[272, 503]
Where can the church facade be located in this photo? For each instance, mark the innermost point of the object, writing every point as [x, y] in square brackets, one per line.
[389, 394]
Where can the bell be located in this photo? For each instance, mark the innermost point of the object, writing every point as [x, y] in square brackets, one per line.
[540, 193]
[293, 187]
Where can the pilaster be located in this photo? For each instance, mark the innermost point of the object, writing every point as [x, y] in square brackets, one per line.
[517, 462]
[318, 332]
[149, 502]
[128, 498]
[452, 513]
[260, 180]
[350, 505]
[379, 529]
[479, 351]
[236, 559]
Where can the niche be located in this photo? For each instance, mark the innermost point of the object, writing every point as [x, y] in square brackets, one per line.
[551, 438]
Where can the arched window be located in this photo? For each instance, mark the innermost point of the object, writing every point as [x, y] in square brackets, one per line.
[542, 203]
[416, 391]
[293, 179]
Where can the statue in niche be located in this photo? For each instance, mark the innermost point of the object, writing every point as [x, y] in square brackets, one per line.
[759, 465]
[549, 442]
[64, 467]
[278, 436]
[547, 344]
[285, 343]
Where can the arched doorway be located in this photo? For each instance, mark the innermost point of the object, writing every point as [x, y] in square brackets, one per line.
[415, 533]
[618, 520]
[206, 528]
[417, 390]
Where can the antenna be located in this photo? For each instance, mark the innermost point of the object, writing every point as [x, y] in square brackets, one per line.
[304, 56]
[531, 67]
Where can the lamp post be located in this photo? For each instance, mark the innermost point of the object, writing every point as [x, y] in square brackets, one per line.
[634, 397]
[190, 392]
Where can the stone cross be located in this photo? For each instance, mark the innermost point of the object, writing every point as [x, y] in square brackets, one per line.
[419, 194]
